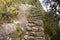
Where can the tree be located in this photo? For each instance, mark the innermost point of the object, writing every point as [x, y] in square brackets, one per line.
[52, 18]
[54, 7]
[50, 26]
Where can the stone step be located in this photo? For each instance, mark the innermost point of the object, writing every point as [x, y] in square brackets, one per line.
[35, 38]
[35, 29]
[36, 34]
[26, 37]
[34, 18]
[31, 24]
[28, 28]
[32, 28]
[37, 23]
[38, 38]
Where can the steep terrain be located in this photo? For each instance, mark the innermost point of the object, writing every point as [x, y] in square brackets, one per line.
[27, 25]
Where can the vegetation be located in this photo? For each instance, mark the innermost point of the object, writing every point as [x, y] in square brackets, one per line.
[51, 20]
[18, 28]
[50, 26]
[7, 10]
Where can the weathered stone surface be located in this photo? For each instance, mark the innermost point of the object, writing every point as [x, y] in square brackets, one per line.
[11, 36]
[31, 24]
[41, 29]
[39, 38]
[26, 36]
[38, 22]
[34, 27]
[28, 28]
[6, 29]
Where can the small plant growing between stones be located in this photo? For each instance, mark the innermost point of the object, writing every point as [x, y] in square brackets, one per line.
[18, 28]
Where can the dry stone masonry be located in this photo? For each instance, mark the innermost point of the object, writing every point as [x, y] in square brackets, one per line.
[34, 31]
[34, 27]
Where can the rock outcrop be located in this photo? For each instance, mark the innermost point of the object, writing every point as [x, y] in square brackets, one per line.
[8, 31]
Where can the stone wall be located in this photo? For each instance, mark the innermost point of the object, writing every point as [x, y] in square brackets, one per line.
[34, 27]
[34, 30]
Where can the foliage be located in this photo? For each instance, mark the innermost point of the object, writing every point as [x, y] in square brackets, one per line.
[55, 11]
[50, 26]
[7, 10]
[35, 3]
[54, 6]
[18, 28]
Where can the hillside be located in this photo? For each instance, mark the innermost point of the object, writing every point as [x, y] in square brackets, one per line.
[21, 20]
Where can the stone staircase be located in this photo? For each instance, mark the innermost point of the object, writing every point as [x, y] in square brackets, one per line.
[34, 29]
